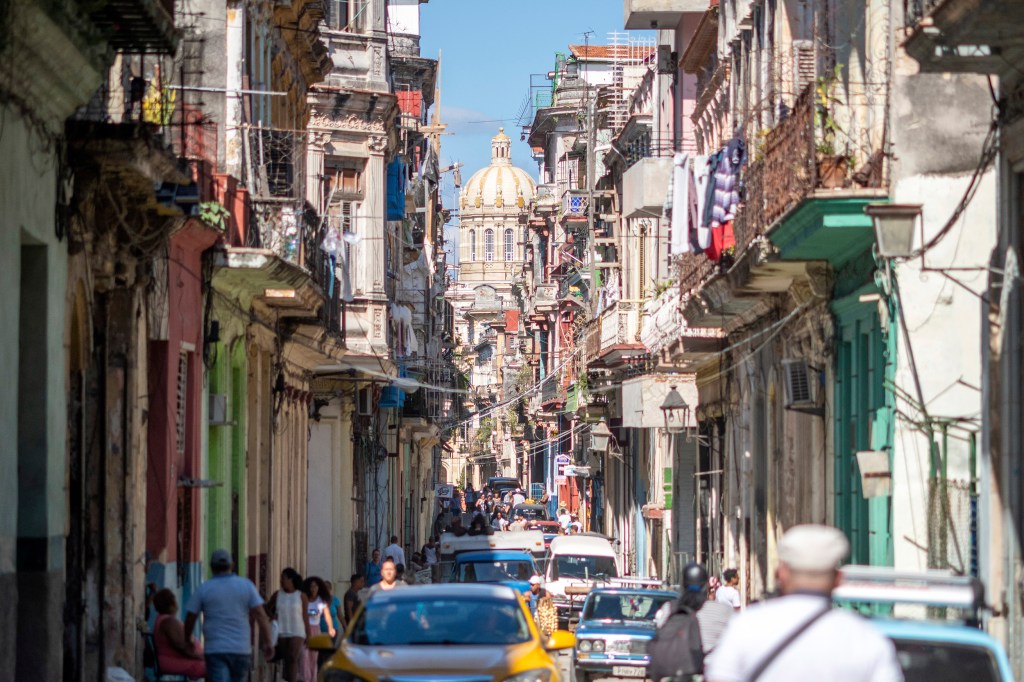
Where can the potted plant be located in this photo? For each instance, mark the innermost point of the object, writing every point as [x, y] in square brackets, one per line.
[833, 167]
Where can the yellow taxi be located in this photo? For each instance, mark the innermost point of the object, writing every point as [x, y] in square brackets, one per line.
[443, 633]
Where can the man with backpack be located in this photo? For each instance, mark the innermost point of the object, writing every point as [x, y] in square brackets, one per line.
[688, 629]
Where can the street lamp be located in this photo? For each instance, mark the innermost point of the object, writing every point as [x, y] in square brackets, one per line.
[600, 434]
[894, 228]
[676, 412]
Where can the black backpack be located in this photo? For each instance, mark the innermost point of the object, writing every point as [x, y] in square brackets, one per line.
[676, 650]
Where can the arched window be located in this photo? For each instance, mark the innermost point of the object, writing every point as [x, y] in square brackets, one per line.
[489, 245]
[509, 245]
[472, 245]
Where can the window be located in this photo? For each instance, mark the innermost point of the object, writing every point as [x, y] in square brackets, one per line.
[509, 245]
[337, 14]
[489, 245]
[472, 245]
[526, 241]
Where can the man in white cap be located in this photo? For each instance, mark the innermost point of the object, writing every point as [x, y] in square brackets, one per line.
[799, 636]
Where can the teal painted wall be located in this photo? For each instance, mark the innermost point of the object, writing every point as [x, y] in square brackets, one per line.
[863, 420]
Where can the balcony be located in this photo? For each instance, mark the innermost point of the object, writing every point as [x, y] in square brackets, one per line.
[973, 36]
[798, 161]
[654, 14]
[575, 204]
[137, 26]
[619, 335]
[645, 186]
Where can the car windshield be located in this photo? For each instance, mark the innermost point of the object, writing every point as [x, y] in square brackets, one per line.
[495, 571]
[624, 606]
[423, 621]
[925, 661]
[585, 567]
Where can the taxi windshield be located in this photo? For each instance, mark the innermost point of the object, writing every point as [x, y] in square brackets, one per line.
[585, 567]
[420, 621]
[623, 606]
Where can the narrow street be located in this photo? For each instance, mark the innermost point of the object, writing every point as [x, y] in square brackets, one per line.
[648, 301]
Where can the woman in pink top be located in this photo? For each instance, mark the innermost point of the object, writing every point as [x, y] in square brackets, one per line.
[173, 654]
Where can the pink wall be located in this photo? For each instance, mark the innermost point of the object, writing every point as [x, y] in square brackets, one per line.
[686, 85]
[184, 334]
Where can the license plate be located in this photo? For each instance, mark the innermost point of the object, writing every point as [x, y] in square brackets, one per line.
[628, 671]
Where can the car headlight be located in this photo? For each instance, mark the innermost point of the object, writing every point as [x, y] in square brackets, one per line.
[585, 645]
[535, 675]
[339, 675]
[598, 645]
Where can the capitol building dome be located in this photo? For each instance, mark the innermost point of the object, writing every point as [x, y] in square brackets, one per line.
[500, 187]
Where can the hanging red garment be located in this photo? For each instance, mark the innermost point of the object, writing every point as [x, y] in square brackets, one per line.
[722, 239]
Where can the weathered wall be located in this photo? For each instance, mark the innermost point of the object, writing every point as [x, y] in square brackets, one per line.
[939, 122]
[33, 267]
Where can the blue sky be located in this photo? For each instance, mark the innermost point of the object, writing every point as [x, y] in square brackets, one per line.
[490, 48]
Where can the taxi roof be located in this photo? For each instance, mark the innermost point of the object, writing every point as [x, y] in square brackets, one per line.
[446, 591]
[494, 554]
[640, 591]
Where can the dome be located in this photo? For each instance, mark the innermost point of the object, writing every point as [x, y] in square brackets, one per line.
[500, 186]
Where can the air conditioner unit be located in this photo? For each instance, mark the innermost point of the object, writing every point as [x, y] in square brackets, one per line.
[801, 387]
[364, 402]
[218, 410]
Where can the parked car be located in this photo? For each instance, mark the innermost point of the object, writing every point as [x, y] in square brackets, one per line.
[615, 627]
[531, 512]
[502, 484]
[929, 649]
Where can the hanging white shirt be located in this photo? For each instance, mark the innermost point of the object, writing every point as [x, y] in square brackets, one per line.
[840, 647]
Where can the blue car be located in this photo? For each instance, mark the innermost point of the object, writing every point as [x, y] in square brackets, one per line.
[930, 651]
[615, 627]
[936, 633]
[504, 566]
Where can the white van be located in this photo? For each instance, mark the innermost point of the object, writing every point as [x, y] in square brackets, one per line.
[577, 562]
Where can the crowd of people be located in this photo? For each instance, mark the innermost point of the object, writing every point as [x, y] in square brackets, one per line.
[489, 511]
[299, 609]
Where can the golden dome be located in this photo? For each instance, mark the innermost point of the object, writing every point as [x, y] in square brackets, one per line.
[500, 186]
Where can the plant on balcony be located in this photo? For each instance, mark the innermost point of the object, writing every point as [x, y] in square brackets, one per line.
[662, 287]
[833, 166]
[213, 214]
[483, 434]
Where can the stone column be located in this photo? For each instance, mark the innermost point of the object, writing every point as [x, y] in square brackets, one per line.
[344, 550]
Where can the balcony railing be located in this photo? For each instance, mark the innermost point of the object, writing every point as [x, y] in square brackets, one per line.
[916, 10]
[694, 269]
[574, 203]
[798, 157]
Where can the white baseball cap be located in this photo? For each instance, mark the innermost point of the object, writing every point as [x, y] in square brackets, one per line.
[535, 580]
[812, 547]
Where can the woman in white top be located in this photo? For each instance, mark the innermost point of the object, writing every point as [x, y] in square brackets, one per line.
[317, 602]
[290, 606]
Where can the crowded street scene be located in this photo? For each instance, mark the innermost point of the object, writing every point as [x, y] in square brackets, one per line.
[512, 341]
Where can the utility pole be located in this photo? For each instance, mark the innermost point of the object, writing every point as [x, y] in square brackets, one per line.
[591, 170]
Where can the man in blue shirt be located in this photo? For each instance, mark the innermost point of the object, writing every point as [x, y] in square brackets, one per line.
[227, 602]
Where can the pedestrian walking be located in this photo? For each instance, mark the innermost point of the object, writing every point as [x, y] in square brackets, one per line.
[336, 610]
[564, 519]
[712, 616]
[317, 608]
[227, 602]
[727, 593]
[373, 568]
[289, 605]
[356, 584]
[394, 551]
[499, 522]
[430, 551]
[800, 636]
[389, 578]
